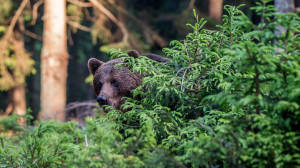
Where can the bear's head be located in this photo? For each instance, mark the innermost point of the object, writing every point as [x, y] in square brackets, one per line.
[111, 82]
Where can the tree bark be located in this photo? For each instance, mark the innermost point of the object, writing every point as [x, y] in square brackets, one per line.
[17, 100]
[284, 6]
[17, 103]
[54, 61]
[216, 9]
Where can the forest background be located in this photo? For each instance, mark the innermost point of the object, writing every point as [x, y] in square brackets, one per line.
[230, 97]
[93, 27]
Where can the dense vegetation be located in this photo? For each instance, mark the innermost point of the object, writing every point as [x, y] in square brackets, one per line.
[229, 98]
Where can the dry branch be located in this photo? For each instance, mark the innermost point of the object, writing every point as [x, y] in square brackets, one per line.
[33, 35]
[79, 26]
[81, 4]
[112, 18]
[15, 19]
[75, 105]
[148, 33]
[192, 4]
[77, 111]
[35, 11]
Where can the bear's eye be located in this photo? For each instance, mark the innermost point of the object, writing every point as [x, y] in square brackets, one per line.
[99, 85]
[115, 83]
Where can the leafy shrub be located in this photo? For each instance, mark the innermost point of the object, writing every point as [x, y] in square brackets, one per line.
[229, 98]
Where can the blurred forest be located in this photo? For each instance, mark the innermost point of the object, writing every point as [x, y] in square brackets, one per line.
[229, 97]
[92, 28]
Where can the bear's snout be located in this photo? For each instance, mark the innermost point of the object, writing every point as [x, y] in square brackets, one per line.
[102, 100]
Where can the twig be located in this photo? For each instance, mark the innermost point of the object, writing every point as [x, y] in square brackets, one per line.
[148, 33]
[192, 4]
[183, 79]
[122, 10]
[33, 35]
[77, 111]
[112, 18]
[69, 31]
[208, 129]
[81, 4]
[87, 15]
[184, 69]
[187, 53]
[134, 144]
[79, 26]
[178, 164]
[75, 105]
[15, 19]
[86, 142]
[120, 147]
[35, 11]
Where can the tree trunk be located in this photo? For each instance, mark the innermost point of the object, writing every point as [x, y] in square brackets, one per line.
[54, 61]
[284, 6]
[216, 9]
[17, 100]
[17, 103]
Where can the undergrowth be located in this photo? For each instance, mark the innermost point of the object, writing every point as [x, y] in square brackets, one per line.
[229, 98]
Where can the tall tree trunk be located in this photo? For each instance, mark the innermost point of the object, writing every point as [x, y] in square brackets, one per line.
[54, 61]
[17, 100]
[284, 6]
[216, 9]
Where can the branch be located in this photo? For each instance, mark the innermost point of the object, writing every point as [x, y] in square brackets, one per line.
[81, 4]
[79, 26]
[112, 18]
[148, 33]
[33, 35]
[15, 19]
[122, 10]
[8, 110]
[69, 35]
[192, 4]
[35, 11]
[87, 15]
[87, 104]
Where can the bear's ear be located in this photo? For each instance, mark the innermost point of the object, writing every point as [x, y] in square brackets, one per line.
[133, 53]
[94, 64]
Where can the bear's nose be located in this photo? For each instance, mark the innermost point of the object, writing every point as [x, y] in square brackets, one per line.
[102, 100]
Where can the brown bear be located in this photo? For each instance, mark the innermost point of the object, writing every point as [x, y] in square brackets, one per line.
[111, 82]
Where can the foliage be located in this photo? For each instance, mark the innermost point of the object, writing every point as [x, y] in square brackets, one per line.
[45, 146]
[9, 123]
[229, 98]
[15, 62]
[12, 123]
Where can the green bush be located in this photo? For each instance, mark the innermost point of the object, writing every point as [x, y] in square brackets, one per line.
[229, 98]
[10, 123]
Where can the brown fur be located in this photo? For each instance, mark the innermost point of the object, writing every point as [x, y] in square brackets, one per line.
[112, 83]
[154, 57]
